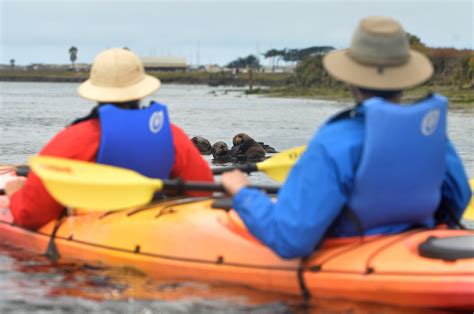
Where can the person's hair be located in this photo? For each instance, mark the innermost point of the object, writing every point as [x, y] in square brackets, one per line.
[94, 114]
[132, 104]
[385, 94]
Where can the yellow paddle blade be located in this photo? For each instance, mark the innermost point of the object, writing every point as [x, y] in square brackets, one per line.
[279, 165]
[92, 186]
[469, 212]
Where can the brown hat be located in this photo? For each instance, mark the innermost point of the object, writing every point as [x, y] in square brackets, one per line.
[379, 58]
[117, 75]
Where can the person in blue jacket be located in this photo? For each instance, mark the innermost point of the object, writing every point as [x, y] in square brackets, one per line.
[381, 167]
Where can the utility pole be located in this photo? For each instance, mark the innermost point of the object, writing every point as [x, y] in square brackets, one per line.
[197, 55]
[258, 51]
[191, 56]
[258, 57]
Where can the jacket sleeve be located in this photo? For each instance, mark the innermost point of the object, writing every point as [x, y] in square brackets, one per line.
[309, 201]
[456, 191]
[32, 206]
[188, 163]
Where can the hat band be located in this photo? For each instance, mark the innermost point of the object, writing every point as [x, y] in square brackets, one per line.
[375, 61]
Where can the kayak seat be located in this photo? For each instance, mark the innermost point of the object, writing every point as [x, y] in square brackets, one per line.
[449, 248]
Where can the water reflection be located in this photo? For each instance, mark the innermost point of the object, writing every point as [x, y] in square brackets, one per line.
[33, 283]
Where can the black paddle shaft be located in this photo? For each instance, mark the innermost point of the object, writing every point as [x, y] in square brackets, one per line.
[22, 171]
[182, 186]
[247, 168]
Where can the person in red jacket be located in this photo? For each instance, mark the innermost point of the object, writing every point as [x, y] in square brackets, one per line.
[117, 132]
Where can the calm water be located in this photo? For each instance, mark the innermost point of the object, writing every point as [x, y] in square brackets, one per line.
[31, 113]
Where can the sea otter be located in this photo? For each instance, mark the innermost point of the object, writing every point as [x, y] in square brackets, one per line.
[246, 146]
[269, 149]
[202, 144]
[221, 152]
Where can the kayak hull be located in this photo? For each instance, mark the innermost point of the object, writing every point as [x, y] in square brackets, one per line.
[186, 239]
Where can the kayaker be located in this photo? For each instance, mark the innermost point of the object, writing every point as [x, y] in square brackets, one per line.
[378, 168]
[117, 132]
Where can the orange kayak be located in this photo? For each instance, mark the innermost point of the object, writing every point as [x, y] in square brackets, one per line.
[187, 239]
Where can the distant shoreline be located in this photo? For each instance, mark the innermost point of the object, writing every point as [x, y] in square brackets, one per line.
[192, 77]
[459, 99]
[280, 84]
[40, 79]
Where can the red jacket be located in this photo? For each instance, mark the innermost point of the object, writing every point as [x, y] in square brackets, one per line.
[33, 207]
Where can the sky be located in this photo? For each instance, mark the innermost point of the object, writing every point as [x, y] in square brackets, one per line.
[217, 32]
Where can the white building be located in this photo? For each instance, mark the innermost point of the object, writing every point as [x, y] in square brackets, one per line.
[164, 63]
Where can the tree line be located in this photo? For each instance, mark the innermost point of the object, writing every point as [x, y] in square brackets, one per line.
[452, 67]
[287, 55]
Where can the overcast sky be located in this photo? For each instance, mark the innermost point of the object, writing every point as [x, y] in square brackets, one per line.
[39, 31]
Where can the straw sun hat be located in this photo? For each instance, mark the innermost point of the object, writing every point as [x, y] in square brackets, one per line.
[117, 75]
[379, 58]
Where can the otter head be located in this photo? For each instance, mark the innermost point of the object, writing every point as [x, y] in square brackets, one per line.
[240, 138]
[219, 149]
[202, 144]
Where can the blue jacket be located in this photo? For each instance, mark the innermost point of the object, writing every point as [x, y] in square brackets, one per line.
[310, 204]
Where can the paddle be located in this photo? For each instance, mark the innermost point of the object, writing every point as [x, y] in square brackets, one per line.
[276, 167]
[100, 187]
[469, 212]
[92, 184]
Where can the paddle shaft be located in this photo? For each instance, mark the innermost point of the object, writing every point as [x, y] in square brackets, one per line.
[22, 171]
[183, 186]
[247, 168]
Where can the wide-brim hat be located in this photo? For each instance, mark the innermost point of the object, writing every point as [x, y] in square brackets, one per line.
[117, 75]
[379, 58]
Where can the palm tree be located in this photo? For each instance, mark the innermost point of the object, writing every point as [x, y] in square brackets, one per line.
[12, 63]
[73, 55]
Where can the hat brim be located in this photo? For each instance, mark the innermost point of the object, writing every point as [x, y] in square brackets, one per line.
[143, 88]
[415, 71]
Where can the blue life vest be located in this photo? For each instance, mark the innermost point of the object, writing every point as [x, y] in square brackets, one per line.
[137, 139]
[399, 177]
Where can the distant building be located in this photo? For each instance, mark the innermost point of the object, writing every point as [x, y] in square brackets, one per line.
[164, 63]
[213, 68]
[36, 66]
